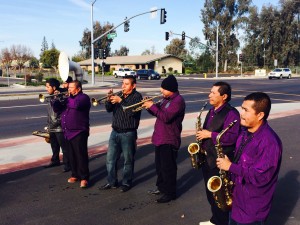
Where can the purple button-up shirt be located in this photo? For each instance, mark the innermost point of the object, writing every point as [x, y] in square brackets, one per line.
[168, 126]
[75, 116]
[229, 137]
[255, 175]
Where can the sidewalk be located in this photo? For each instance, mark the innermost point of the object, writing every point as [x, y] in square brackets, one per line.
[31, 151]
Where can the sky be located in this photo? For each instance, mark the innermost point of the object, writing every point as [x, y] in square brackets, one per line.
[62, 22]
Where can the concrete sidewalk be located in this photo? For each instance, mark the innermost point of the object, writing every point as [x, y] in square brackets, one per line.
[31, 151]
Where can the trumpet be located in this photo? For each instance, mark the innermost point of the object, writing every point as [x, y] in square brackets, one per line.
[43, 98]
[138, 106]
[96, 102]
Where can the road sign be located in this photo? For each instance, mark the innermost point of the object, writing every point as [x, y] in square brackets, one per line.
[112, 35]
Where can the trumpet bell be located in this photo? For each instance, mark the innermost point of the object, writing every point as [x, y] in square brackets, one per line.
[193, 148]
[41, 98]
[94, 102]
[214, 184]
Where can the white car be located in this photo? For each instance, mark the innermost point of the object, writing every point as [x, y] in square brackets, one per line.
[280, 73]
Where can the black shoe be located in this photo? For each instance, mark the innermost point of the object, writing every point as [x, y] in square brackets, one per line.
[52, 164]
[125, 188]
[66, 169]
[108, 186]
[154, 192]
[165, 199]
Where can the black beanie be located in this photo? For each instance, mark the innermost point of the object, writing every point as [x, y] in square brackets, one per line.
[170, 83]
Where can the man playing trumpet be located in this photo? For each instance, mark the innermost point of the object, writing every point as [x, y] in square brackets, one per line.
[124, 134]
[166, 137]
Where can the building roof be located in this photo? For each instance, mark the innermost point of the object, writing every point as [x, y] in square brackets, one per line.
[138, 59]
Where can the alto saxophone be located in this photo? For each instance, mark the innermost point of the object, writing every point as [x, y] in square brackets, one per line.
[221, 186]
[197, 154]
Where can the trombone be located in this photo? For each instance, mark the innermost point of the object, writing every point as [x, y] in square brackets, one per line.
[43, 98]
[138, 106]
[96, 102]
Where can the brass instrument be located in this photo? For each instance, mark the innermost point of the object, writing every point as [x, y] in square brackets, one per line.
[96, 102]
[44, 134]
[43, 98]
[197, 154]
[221, 186]
[138, 106]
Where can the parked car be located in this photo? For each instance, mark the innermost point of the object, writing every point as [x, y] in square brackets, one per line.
[280, 73]
[147, 74]
[123, 72]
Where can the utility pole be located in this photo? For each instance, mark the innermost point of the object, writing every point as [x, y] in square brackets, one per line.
[92, 43]
[217, 51]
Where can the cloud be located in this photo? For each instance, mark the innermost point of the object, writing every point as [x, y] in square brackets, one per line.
[81, 3]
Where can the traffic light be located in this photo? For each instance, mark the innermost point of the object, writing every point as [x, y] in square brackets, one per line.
[241, 57]
[163, 16]
[104, 54]
[96, 53]
[183, 36]
[167, 36]
[101, 53]
[126, 26]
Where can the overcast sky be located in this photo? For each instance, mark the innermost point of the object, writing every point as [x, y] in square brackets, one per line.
[62, 22]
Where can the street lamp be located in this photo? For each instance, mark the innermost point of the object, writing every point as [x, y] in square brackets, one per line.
[92, 43]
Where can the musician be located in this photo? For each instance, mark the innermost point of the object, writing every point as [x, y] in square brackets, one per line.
[57, 139]
[256, 164]
[75, 124]
[65, 84]
[167, 137]
[218, 117]
[124, 134]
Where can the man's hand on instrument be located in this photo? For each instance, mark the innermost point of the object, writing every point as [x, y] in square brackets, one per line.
[147, 104]
[115, 99]
[223, 163]
[202, 134]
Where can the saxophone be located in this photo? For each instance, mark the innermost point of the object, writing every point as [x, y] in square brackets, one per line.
[221, 186]
[197, 154]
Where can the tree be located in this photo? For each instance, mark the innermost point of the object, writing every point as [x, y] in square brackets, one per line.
[6, 57]
[176, 48]
[146, 52]
[52, 45]
[228, 16]
[50, 58]
[123, 51]
[103, 43]
[33, 62]
[20, 54]
[44, 45]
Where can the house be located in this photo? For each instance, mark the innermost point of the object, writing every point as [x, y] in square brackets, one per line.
[162, 63]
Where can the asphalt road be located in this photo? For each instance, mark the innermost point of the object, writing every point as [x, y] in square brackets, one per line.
[19, 116]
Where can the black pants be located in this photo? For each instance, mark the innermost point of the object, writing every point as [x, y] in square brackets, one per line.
[219, 217]
[166, 169]
[57, 141]
[79, 159]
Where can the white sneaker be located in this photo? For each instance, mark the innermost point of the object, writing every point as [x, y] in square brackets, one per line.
[206, 223]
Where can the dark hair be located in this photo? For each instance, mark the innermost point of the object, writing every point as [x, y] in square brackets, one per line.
[224, 88]
[262, 103]
[53, 82]
[130, 77]
[77, 84]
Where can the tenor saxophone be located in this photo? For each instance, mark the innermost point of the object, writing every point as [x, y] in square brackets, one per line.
[197, 153]
[221, 186]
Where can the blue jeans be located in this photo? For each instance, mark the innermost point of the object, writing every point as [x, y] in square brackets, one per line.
[232, 222]
[124, 143]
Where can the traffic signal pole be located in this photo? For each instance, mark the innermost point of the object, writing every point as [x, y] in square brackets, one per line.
[104, 34]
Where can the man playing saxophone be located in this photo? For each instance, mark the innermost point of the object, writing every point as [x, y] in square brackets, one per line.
[218, 118]
[256, 164]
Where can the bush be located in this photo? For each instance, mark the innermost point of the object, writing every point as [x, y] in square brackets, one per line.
[39, 77]
[28, 78]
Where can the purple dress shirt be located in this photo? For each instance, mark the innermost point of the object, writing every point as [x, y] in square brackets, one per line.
[168, 126]
[75, 116]
[255, 174]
